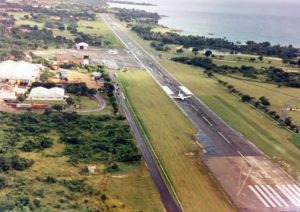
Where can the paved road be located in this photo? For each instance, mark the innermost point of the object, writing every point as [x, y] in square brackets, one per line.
[166, 197]
[101, 106]
[251, 181]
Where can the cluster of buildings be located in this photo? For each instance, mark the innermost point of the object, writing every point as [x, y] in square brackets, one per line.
[16, 79]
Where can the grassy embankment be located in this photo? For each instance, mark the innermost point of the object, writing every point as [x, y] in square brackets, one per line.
[99, 28]
[172, 137]
[263, 132]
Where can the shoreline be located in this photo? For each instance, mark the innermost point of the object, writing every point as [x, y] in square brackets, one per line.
[132, 3]
[212, 33]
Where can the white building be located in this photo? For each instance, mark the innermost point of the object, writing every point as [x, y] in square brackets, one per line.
[19, 71]
[82, 46]
[7, 95]
[41, 93]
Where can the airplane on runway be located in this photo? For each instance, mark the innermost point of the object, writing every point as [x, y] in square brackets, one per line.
[181, 96]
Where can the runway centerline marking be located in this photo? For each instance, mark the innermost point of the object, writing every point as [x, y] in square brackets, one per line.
[221, 134]
[207, 121]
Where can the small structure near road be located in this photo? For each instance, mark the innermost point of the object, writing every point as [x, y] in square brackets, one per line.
[96, 76]
[92, 169]
[52, 94]
[82, 46]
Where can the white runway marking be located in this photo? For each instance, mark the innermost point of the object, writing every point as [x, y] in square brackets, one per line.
[271, 195]
[296, 187]
[278, 196]
[288, 194]
[259, 197]
[205, 119]
[265, 196]
[224, 137]
[294, 191]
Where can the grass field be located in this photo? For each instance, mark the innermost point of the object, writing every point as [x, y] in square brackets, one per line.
[99, 28]
[56, 32]
[19, 15]
[263, 132]
[278, 96]
[172, 136]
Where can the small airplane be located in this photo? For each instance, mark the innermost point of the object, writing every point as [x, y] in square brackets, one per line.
[181, 96]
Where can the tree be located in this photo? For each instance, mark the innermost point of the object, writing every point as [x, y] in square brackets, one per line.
[180, 50]
[70, 101]
[264, 101]
[28, 146]
[288, 121]
[208, 53]
[195, 51]
[3, 182]
[57, 107]
[246, 98]
[21, 98]
[210, 74]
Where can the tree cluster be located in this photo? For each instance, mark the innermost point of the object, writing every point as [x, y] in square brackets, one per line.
[201, 42]
[129, 15]
[262, 104]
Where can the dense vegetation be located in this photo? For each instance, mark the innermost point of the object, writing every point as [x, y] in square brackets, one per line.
[86, 139]
[141, 16]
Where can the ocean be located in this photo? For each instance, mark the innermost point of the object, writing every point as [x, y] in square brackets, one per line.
[259, 20]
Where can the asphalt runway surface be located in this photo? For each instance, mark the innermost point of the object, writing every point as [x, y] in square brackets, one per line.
[250, 180]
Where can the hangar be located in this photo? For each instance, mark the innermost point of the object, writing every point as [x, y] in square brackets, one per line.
[41, 93]
[19, 71]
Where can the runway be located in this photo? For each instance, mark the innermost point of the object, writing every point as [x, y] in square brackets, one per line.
[250, 180]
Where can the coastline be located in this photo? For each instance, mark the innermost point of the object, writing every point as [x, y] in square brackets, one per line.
[217, 22]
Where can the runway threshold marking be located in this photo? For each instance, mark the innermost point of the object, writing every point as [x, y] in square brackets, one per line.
[269, 197]
[207, 121]
[259, 197]
[274, 195]
[265, 196]
[221, 134]
[289, 194]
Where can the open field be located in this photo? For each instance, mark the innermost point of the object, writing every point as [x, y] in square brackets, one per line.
[56, 32]
[278, 96]
[99, 28]
[263, 132]
[172, 137]
[19, 15]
